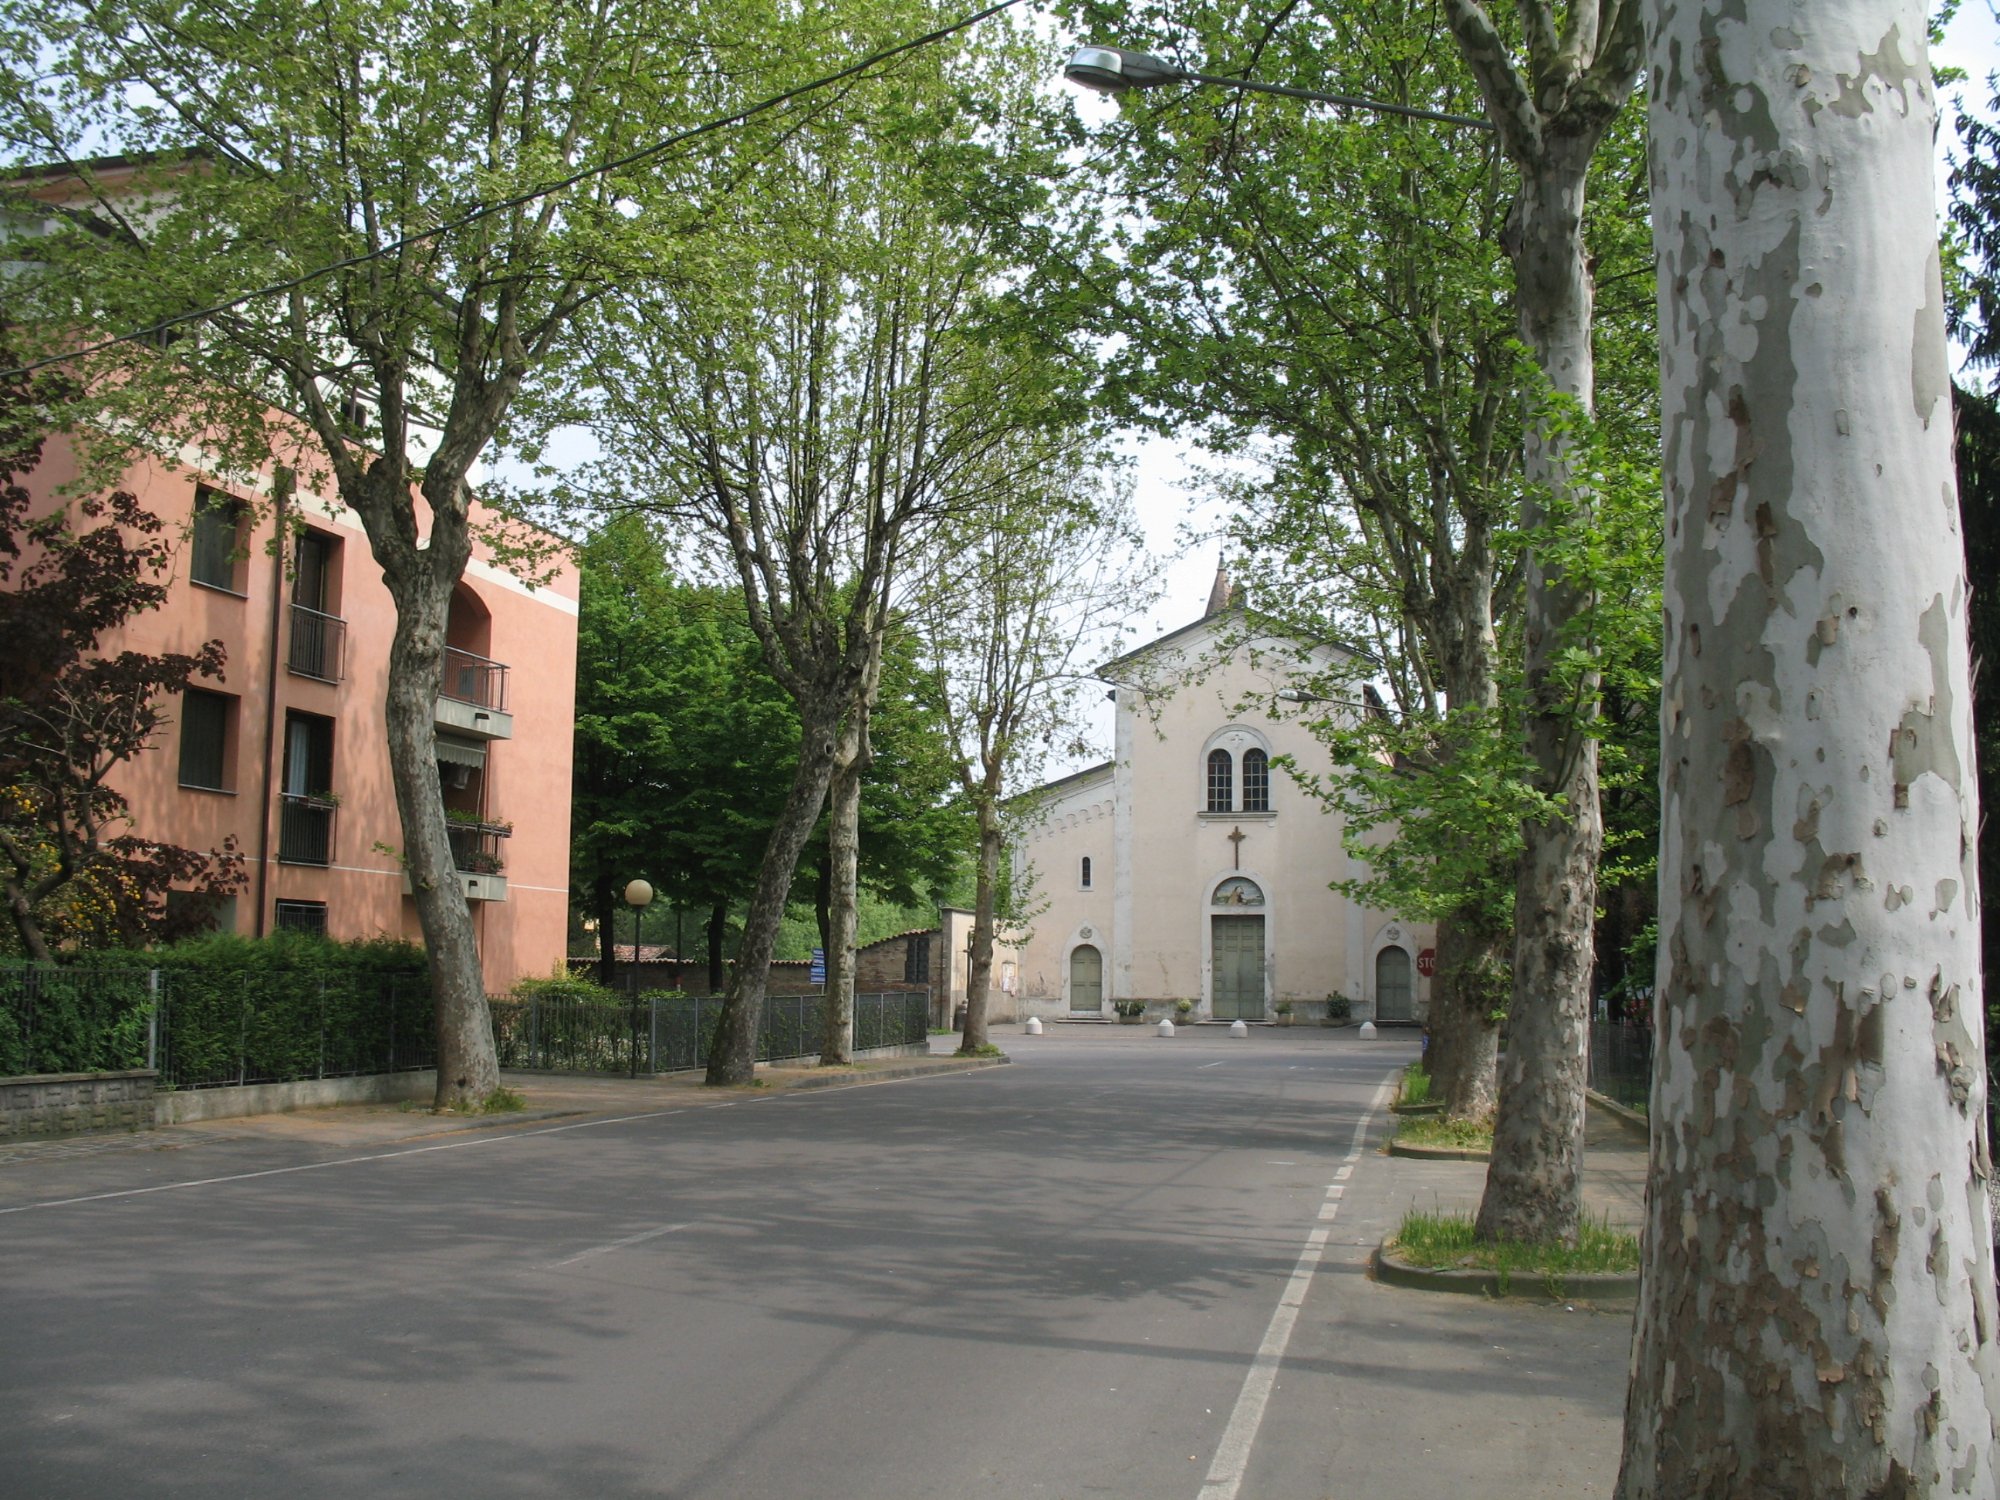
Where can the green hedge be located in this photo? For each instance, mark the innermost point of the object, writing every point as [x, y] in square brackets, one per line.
[232, 1010]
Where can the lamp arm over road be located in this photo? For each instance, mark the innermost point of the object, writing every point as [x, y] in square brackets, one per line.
[1118, 70]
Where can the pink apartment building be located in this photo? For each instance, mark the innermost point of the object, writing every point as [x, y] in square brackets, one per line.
[288, 753]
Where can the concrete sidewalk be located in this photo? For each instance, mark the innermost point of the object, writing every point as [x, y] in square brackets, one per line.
[549, 1096]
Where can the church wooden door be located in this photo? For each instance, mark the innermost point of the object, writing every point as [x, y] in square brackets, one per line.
[1086, 979]
[1393, 998]
[1237, 953]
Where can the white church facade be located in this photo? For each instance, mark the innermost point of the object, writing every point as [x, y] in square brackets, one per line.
[1190, 866]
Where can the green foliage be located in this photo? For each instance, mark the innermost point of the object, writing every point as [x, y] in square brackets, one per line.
[1444, 1241]
[1129, 1007]
[259, 1010]
[1339, 1007]
[1416, 1087]
[685, 745]
[1973, 304]
[78, 1018]
[564, 987]
[1431, 1130]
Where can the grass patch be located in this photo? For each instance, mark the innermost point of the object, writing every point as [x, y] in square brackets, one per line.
[1416, 1085]
[1443, 1241]
[1435, 1130]
[987, 1049]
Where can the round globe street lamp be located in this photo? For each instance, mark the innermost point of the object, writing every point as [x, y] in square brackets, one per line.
[1117, 70]
[638, 896]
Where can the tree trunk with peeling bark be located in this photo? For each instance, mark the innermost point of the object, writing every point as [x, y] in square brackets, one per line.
[421, 580]
[843, 858]
[986, 900]
[1534, 1182]
[1817, 1308]
[732, 1057]
[1550, 117]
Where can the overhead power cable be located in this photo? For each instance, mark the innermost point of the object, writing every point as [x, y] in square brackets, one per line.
[517, 200]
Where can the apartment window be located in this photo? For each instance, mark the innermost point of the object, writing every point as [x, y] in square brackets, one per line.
[1256, 781]
[308, 755]
[208, 724]
[306, 808]
[1083, 873]
[1221, 781]
[318, 633]
[302, 916]
[215, 550]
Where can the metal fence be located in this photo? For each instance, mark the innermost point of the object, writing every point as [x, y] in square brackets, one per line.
[74, 1018]
[672, 1033]
[1621, 1062]
[213, 1027]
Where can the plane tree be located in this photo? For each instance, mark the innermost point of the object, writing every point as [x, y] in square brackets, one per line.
[381, 170]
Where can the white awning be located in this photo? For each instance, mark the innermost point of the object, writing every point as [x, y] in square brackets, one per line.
[460, 752]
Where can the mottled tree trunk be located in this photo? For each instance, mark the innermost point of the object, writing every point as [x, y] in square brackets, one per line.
[733, 1057]
[1817, 1314]
[843, 861]
[1534, 1182]
[985, 902]
[1468, 991]
[468, 1068]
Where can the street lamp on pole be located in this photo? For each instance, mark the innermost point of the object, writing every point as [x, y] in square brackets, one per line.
[1118, 70]
[638, 896]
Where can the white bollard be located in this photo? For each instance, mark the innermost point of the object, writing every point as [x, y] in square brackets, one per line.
[1034, 1027]
[1367, 1031]
[1165, 1028]
[1237, 1028]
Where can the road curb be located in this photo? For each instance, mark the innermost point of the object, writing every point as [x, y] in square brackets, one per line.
[809, 1078]
[1630, 1118]
[1437, 1153]
[1603, 1287]
[1426, 1108]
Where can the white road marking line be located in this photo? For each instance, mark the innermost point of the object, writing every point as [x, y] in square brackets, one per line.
[1232, 1454]
[1216, 1064]
[624, 1244]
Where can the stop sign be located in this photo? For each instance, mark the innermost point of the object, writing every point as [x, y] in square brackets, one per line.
[1427, 962]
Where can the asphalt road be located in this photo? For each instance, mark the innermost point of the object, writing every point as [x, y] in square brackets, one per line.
[1120, 1267]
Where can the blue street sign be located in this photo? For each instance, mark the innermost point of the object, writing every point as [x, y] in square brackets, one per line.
[819, 966]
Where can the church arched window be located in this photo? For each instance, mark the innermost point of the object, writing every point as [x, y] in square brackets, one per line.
[1084, 873]
[1221, 781]
[1256, 781]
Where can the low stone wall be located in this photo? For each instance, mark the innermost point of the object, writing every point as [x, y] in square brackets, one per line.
[51, 1104]
[281, 1098]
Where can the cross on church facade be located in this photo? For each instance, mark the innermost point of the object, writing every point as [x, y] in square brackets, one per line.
[1236, 838]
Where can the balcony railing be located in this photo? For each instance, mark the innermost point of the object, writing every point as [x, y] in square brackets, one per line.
[305, 830]
[475, 847]
[477, 680]
[319, 644]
